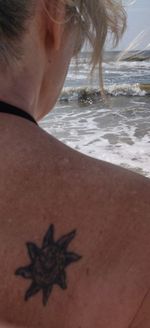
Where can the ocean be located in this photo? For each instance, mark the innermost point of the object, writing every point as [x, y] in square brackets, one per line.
[116, 130]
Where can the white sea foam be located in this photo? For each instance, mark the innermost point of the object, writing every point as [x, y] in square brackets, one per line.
[126, 90]
[87, 94]
[118, 131]
[120, 136]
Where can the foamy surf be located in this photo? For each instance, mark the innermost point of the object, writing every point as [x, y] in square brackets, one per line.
[128, 90]
[119, 134]
[86, 94]
[116, 130]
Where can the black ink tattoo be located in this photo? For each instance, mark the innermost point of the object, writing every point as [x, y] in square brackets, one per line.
[48, 264]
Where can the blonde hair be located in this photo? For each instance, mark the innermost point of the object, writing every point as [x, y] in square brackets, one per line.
[96, 19]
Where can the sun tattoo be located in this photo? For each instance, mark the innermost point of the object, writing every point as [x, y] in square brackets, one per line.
[48, 264]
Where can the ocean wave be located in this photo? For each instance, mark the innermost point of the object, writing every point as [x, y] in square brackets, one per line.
[128, 90]
[90, 95]
[139, 57]
[126, 65]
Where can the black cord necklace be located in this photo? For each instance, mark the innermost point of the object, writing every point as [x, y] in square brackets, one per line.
[9, 109]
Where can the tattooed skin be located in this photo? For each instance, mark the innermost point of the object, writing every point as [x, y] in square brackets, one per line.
[48, 264]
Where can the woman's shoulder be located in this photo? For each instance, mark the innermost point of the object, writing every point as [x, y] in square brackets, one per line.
[33, 151]
[46, 182]
[29, 151]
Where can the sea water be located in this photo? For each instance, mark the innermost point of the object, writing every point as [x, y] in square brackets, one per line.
[116, 130]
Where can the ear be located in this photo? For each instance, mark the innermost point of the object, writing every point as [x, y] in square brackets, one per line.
[55, 17]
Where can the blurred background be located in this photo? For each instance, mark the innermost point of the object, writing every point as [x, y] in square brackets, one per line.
[116, 130]
[137, 35]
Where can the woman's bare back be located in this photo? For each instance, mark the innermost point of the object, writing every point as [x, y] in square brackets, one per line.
[45, 183]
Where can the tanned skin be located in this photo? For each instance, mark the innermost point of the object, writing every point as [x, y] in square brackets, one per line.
[100, 211]
[45, 182]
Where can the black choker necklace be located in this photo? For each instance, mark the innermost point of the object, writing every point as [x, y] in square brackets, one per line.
[9, 109]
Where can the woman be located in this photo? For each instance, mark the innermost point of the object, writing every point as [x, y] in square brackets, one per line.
[75, 232]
